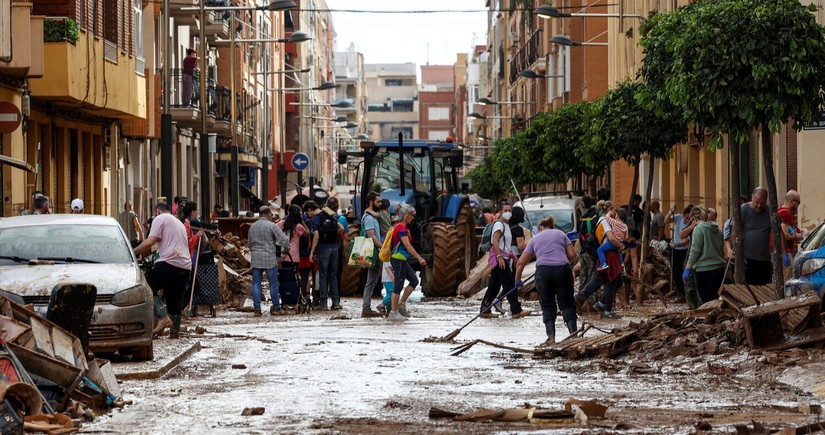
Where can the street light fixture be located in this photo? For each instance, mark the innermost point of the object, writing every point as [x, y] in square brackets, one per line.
[530, 74]
[476, 115]
[547, 11]
[489, 102]
[294, 38]
[567, 42]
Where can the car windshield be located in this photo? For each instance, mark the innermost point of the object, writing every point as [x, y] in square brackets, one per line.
[81, 243]
[564, 218]
[816, 240]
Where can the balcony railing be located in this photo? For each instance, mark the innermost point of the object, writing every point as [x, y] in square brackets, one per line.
[218, 102]
[185, 90]
[527, 55]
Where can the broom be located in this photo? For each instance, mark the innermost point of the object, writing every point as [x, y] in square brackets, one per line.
[454, 334]
[189, 311]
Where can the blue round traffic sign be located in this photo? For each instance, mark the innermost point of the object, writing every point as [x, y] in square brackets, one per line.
[300, 161]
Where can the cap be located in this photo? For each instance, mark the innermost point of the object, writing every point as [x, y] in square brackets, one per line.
[77, 204]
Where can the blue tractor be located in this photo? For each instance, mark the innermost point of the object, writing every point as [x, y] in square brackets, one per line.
[444, 228]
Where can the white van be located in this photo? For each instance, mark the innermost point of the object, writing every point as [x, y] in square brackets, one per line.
[566, 209]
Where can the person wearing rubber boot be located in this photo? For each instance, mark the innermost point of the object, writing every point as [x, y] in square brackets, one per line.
[501, 262]
[171, 271]
[554, 276]
[372, 230]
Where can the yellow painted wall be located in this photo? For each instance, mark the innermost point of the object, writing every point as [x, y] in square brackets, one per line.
[14, 179]
[79, 74]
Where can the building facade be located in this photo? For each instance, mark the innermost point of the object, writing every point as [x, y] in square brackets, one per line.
[393, 100]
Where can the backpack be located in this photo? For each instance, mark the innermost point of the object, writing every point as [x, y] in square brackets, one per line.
[304, 245]
[487, 238]
[586, 224]
[328, 231]
[385, 253]
[590, 242]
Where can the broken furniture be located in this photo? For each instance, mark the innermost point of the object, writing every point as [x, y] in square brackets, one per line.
[776, 324]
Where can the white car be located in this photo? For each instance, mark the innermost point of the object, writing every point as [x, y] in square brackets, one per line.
[567, 210]
[39, 252]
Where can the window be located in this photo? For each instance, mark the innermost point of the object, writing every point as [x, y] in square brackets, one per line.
[438, 134]
[392, 82]
[378, 107]
[138, 12]
[438, 113]
[407, 131]
[402, 104]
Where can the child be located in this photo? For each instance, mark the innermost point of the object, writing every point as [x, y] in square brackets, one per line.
[616, 221]
[387, 279]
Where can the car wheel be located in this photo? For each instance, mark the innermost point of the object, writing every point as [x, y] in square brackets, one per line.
[144, 353]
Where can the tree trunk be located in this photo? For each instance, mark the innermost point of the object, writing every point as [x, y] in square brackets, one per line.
[736, 227]
[633, 187]
[778, 279]
[592, 182]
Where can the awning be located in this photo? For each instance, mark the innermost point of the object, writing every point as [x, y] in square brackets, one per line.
[15, 163]
[243, 159]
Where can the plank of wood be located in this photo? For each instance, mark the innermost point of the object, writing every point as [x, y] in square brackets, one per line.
[42, 337]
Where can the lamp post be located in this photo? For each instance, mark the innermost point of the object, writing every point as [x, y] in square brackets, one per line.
[567, 42]
[489, 102]
[476, 115]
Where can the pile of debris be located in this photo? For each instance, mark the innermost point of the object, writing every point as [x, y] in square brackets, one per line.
[655, 276]
[46, 382]
[234, 266]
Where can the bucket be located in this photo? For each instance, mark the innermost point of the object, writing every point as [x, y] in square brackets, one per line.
[23, 397]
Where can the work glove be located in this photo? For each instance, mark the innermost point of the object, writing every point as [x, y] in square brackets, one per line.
[686, 274]
[519, 284]
[786, 260]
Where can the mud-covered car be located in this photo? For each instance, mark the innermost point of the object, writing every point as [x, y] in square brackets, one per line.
[809, 264]
[40, 252]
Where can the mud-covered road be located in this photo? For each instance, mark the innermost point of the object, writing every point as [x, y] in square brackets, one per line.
[334, 372]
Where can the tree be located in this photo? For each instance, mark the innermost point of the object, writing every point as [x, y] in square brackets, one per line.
[482, 179]
[740, 65]
[558, 135]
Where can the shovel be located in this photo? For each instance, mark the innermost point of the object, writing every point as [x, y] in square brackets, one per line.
[454, 334]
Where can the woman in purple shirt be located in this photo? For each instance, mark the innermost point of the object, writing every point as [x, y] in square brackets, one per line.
[554, 276]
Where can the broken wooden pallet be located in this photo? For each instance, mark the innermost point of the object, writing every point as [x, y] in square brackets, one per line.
[603, 346]
[776, 324]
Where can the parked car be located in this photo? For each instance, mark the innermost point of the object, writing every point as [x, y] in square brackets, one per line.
[39, 252]
[809, 264]
[567, 210]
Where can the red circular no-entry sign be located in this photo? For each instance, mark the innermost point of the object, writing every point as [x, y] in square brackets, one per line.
[10, 117]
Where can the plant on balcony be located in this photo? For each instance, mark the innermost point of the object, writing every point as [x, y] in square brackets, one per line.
[61, 30]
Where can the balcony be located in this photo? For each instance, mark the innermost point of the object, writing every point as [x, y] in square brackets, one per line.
[21, 50]
[216, 24]
[528, 57]
[183, 18]
[218, 106]
[108, 88]
[185, 98]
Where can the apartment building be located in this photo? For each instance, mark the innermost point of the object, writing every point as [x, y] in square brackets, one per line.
[393, 100]
[436, 102]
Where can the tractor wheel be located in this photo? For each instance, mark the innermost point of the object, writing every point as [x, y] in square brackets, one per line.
[468, 246]
[353, 279]
[442, 272]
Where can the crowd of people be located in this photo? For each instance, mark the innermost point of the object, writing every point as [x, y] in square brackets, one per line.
[310, 240]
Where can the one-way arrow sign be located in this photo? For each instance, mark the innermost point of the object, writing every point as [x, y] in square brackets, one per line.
[300, 161]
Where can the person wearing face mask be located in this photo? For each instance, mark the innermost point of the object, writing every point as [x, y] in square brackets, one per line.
[371, 229]
[756, 230]
[501, 262]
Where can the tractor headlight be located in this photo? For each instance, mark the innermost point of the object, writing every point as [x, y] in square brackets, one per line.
[812, 265]
[131, 296]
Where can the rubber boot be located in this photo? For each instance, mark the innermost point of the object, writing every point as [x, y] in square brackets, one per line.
[551, 336]
[174, 330]
[571, 326]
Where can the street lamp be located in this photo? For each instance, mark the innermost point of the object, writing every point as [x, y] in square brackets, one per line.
[547, 11]
[489, 102]
[567, 42]
[530, 74]
[476, 115]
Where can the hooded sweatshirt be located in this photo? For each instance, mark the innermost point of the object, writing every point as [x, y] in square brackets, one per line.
[706, 249]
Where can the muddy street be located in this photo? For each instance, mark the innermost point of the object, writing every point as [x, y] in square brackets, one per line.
[334, 372]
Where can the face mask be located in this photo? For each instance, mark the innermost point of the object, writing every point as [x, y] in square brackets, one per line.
[507, 215]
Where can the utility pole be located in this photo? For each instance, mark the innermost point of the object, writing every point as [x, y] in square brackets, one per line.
[166, 116]
[205, 172]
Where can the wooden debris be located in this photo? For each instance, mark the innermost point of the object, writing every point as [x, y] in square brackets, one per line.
[591, 408]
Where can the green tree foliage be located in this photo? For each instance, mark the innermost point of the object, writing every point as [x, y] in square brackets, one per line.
[625, 128]
[733, 64]
[482, 179]
[559, 134]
